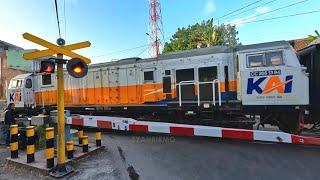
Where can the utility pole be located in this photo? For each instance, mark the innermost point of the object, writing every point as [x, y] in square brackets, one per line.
[155, 28]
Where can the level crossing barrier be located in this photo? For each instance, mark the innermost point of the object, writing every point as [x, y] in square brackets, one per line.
[129, 124]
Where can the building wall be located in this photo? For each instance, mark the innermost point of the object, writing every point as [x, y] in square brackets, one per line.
[6, 74]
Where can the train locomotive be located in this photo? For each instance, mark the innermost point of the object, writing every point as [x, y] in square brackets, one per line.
[219, 85]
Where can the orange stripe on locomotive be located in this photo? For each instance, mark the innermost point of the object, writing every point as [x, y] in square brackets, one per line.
[120, 95]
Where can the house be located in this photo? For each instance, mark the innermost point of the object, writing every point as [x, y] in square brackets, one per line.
[10, 66]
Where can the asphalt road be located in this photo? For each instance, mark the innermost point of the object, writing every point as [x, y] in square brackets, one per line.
[165, 157]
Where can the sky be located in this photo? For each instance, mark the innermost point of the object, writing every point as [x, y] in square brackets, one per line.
[116, 25]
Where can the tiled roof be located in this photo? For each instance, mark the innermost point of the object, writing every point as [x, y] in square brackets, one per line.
[299, 44]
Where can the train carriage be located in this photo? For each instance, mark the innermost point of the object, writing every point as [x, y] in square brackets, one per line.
[218, 85]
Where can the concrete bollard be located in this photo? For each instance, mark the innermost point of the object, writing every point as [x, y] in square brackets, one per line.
[98, 138]
[50, 147]
[85, 146]
[14, 141]
[80, 134]
[30, 144]
[70, 149]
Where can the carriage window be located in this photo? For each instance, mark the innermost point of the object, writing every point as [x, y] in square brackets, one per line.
[148, 76]
[255, 60]
[28, 83]
[46, 79]
[274, 58]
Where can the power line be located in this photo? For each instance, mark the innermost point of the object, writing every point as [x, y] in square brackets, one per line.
[141, 52]
[56, 5]
[124, 50]
[238, 9]
[65, 19]
[269, 2]
[279, 17]
[293, 4]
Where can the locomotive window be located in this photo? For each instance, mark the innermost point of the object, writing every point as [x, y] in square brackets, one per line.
[148, 76]
[207, 74]
[167, 72]
[46, 79]
[19, 83]
[185, 75]
[255, 60]
[274, 58]
[28, 83]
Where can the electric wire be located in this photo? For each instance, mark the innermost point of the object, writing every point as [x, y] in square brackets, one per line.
[65, 19]
[283, 7]
[238, 9]
[280, 17]
[266, 3]
[57, 14]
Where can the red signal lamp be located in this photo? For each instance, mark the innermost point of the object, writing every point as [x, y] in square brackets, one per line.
[47, 66]
[76, 68]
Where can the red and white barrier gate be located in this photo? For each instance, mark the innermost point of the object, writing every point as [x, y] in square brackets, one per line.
[129, 124]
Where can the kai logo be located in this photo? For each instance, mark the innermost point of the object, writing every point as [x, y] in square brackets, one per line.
[15, 96]
[273, 83]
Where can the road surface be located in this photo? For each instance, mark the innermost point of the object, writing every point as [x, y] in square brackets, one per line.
[165, 157]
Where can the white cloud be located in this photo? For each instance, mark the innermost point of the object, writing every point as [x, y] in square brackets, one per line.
[240, 21]
[263, 9]
[209, 7]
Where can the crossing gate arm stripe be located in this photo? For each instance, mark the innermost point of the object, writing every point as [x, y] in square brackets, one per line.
[138, 128]
[77, 121]
[237, 134]
[104, 124]
[182, 131]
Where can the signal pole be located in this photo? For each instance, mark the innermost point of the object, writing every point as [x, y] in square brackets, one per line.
[61, 169]
[61, 115]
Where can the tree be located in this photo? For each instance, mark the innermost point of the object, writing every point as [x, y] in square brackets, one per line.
[311, 38]
[204, 34]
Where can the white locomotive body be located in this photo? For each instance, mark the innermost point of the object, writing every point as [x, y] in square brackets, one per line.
[219, 83]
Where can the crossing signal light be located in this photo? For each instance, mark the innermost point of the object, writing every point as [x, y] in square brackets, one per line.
[47, 66]
[76, 68]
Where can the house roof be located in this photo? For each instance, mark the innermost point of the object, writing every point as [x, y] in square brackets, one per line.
[299, 44]
[10, 46]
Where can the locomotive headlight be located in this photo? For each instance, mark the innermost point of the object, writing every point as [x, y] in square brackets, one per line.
[76, 68]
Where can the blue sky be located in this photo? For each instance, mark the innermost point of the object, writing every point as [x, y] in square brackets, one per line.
[114, 25]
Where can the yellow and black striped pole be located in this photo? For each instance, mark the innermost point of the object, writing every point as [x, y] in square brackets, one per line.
[70, 148]
[30, 144]
[98, 138]
[50, 147]
[80, 134]
[85, 144]
[14, 141]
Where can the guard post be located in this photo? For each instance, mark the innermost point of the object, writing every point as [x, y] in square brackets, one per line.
[98, 138]
[14, 141]
[85, 142]
[77, 67]
[70, 149]
[30, 144]
[80, 134]
[50, 147]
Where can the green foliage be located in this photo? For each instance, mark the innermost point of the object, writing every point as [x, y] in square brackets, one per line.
[311, 38]
[41, 132]
[205, 34]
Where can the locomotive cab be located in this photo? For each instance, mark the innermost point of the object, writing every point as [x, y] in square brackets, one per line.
[271, 74]
[21, 92]
[273, 84]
